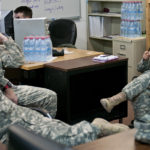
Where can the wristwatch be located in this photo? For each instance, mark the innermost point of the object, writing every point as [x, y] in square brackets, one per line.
[8, 85]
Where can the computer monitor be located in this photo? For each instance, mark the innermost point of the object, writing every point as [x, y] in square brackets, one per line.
[29, 27]
[6, 23]
[21, 139]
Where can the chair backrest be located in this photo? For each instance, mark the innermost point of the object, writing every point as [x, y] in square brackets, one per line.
[63, 31]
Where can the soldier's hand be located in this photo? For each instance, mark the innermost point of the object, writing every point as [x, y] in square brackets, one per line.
[146, 55]
[9, 93]
[3, 38]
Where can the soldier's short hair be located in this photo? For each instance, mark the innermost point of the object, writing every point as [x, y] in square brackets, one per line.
[27, 11]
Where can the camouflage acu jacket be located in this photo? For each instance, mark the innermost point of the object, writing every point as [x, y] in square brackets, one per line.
[10, 56]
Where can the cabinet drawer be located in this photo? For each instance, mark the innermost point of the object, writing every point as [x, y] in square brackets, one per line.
[123, 49]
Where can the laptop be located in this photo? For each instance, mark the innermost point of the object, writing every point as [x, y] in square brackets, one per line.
[29, 27]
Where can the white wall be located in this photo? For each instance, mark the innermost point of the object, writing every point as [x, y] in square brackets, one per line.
[81, 42]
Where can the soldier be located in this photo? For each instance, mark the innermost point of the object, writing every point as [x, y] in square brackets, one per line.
[23, 12]
[138, 92]
[11, 97]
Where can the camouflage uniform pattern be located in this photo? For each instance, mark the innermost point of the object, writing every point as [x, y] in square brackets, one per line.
[10, 113]
[30, 96]
[10, 56]
[138, 91]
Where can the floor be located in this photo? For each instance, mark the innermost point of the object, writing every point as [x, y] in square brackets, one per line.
[130, 116]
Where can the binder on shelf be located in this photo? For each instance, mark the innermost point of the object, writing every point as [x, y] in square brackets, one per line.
[99, 26]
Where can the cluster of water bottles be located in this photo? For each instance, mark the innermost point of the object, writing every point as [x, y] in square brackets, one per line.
[37, 48]
[131, 15]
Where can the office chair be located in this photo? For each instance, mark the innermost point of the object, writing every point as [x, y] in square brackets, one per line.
[63, 33]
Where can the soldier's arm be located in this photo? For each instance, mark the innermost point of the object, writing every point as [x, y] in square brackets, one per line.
[3, 80]
[5, 86]
[11, 54]
[144, 64]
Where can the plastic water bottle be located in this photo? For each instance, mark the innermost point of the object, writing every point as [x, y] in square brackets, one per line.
[140, 10]
[123, 10]
[49, 47]
[122, 28]
[126, 24]
[131, 10]
[139, 28]
[132, 31]
[127, 11]
[135, 28]
[43, 51]
[31, 49]
[136, 10]
[26, 48]
[134, 14]
[37, 47]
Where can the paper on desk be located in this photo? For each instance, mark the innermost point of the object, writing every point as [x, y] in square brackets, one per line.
[51, 59]
[67, 52]
[105, 58]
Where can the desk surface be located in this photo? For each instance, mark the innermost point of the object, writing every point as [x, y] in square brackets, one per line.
[79, 63]
[76, 53]
[120, 141]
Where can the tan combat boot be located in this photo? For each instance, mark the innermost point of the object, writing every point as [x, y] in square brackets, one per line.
[108, 128]
[109, 103]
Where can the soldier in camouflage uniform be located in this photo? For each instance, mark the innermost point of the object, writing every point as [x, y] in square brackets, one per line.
[12, 113]
[138, 92]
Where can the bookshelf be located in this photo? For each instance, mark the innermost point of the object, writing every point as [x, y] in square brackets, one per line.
[108, 10]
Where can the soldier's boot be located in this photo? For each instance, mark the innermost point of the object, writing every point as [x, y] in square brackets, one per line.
[108, 128]
[109, 103]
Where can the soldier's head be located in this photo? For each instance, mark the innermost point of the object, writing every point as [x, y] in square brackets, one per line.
[23, 12]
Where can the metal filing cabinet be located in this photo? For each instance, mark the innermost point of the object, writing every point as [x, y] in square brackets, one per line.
[133, 49]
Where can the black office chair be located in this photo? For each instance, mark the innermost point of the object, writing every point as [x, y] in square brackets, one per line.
[63, 33]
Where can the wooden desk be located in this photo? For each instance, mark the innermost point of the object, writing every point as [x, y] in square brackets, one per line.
[76, 53]
[120, 141]
[80, 83]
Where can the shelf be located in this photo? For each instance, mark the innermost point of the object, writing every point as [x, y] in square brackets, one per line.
[101, 38]
[106, 14]
[120, 1]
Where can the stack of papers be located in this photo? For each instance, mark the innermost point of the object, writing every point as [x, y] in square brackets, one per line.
[105, 58]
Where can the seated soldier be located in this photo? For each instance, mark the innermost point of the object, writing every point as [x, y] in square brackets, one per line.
[138, 92]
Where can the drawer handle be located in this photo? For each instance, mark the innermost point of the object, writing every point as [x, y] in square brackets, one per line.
[122, 54]
[122, 47]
